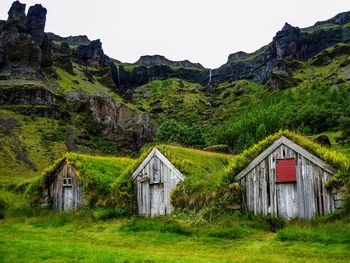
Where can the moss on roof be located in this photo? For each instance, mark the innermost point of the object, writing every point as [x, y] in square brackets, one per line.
[209, 177]
[339, 161]
[201, 168]
[203, 171]
[101, 176]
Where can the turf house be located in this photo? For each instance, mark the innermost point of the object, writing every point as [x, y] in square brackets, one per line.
[288, 180]
[154, 180]
[77, 180]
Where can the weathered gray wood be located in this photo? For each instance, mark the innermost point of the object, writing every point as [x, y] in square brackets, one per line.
[293, 146]
[155, 178]
[305, 198]
[66, 197]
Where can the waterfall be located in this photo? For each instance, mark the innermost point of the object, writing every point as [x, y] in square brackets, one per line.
[118, 76]
[209, 81]
[209, 86]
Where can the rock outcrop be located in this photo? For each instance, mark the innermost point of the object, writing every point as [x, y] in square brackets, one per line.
[28, 54]
[36, 19]
[287, 43]
[92, 55]
[266, 66]
[141, 75]
[128, 128]
[23, 43]
[154, 60]
[71, 40]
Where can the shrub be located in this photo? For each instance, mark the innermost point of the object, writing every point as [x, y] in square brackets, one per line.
[219, 148]
[344, 138]
[111, 213]
[275, 223]
[171, 131]
[3, 207]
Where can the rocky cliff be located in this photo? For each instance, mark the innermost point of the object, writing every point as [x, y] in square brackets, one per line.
[289, 44]
[58, 76]
[55, 77]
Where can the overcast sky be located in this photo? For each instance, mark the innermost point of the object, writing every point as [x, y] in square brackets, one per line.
[204, 31]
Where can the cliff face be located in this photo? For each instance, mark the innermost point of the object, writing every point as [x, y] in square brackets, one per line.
[23, 43]
[53, 76]
[40, 73]
[289, 44]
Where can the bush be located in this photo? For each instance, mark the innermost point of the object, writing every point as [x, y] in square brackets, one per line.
[275, 223]
[344, 138]
[3, 207]
[171, 131]
[111, 213]
[219, 148]
[229, 233]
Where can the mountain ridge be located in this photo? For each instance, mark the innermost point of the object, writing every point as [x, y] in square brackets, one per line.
[98, 105]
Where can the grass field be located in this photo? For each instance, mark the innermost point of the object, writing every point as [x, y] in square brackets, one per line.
[38, 235]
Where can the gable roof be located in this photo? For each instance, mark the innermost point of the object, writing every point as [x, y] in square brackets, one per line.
[100, 170]
[159, 155]
[292, 145]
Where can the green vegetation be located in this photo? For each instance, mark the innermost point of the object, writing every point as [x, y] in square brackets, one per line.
[173, 132]
[241, 113]
[178, 238]
[184, 101]
[305, 109]
[105, 179]
[344, 138]
[229, 117]
[337, 160]
[204, 172]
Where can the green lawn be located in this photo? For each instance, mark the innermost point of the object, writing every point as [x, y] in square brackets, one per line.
[82, 237]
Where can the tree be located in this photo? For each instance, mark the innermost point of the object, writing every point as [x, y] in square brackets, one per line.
[344, 124]
[171, 131]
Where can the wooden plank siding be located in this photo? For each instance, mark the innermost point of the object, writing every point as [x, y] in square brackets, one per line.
[56, 191]
[305, 198]
[154, 182]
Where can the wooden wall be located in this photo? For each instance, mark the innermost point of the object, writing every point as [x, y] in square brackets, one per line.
[58, 192]
[153, 185]
[303, 199]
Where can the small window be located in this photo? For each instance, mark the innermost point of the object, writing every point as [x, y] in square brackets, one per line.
[67, 181]
[286, 171]
[156, 176]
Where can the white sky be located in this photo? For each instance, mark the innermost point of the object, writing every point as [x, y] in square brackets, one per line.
[203, 31]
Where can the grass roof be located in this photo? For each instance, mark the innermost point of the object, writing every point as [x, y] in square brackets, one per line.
[203, 171]
[339, 161]
[101, 176]
[201, 168]
[209, 176]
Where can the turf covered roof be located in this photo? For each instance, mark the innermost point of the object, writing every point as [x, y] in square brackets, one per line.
[337, 160]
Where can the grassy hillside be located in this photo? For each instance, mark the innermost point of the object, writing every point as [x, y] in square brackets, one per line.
[241, 113]
[181, 100]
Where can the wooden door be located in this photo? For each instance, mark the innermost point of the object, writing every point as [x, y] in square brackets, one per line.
[144, 198]
[157, 199]
[287, 205]
[67, 198]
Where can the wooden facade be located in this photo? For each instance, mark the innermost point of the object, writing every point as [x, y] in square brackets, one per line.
[154, 180]
[66, 191]
[303, 198]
